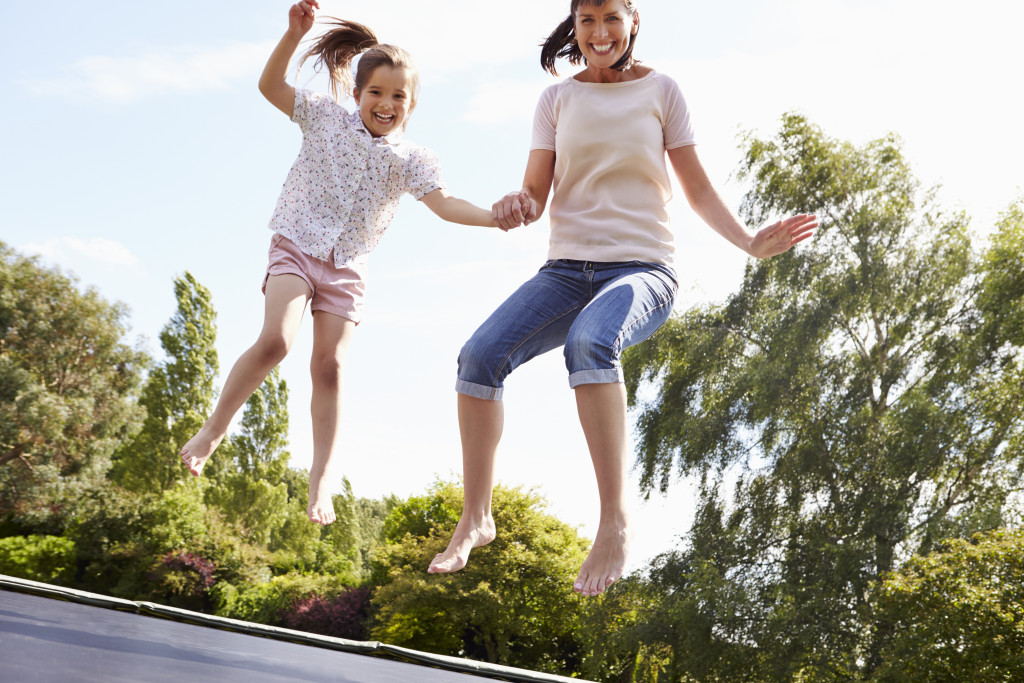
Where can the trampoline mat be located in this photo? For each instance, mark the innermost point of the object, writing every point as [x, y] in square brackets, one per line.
[44, 639]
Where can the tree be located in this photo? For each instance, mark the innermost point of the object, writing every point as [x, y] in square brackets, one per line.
[178, 395]
[959, 613]
[854, 402]
[68, 386]
[513, 604]
[251, 492]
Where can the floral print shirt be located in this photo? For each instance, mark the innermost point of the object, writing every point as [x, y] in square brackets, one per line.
[342, 191]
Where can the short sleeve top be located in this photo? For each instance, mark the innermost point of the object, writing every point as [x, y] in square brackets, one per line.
[611, 183]
[343, 188]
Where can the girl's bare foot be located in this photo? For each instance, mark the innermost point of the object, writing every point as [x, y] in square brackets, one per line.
[321, 506]
[606, 561]
[198, 450]
[469, 534]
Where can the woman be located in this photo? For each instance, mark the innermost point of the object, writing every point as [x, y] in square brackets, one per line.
[600, 140]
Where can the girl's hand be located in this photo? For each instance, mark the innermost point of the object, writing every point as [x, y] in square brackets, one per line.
[781, 236]
[301, 16]
[514, 209]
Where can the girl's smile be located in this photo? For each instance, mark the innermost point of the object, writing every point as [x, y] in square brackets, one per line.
[384, 103]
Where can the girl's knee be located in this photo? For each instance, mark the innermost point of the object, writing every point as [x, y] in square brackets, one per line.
[326, 370]
[272, 349]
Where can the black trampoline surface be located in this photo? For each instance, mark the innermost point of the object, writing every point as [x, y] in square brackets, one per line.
[44, 639]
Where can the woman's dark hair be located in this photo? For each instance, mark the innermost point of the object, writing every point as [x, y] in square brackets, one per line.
[562, 41]
[336, 49]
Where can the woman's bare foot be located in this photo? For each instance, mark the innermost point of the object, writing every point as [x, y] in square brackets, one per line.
[606, 561]
[321, 505]
[198, 450]
[469, 534]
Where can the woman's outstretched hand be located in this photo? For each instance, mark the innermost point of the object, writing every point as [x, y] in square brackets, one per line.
[514, 209]
[302, 15]
[781, 236]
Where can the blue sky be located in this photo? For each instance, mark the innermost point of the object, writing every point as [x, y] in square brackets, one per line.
[134, 146]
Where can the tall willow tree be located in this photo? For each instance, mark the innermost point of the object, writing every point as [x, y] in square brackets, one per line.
[856, 401]
[178, 395]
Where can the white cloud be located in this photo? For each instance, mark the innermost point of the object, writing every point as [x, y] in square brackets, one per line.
[96, 249]
[173, 69]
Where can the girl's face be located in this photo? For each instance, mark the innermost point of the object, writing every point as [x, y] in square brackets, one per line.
[603, 33]
[385, 101]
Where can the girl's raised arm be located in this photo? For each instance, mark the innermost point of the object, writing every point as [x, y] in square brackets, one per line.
[273, 81]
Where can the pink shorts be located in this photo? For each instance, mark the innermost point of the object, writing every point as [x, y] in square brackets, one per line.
[339, 291]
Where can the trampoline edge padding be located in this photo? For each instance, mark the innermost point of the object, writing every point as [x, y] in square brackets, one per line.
[15, 584]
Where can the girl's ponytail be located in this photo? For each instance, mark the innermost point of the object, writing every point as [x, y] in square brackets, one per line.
[336, 49]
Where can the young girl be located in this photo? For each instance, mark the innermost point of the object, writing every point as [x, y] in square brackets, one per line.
[600, 141]
[337, 201]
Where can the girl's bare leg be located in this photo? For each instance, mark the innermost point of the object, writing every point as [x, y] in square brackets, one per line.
[332, 335]
[480, 425]
[284, 302]
[602, 411]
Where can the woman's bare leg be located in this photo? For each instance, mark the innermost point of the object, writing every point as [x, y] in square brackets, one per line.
[602, 411]
[284, 303]
[332, 335]
[480, 424]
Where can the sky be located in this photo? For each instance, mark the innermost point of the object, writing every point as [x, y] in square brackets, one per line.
[135, 146]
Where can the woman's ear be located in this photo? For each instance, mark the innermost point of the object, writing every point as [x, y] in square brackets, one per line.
[636, 23]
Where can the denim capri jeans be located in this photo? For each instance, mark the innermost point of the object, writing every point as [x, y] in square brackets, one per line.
[594, 309]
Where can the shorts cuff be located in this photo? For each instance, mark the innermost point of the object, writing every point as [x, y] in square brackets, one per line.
[479, 390]
[608, 376]
[354, 316]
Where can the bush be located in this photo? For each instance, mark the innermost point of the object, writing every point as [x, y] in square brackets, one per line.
[343, 616]
[266, 602]
[50, 559]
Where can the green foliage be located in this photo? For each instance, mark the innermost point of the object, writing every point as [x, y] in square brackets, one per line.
[122, 536]
[177, 395]
[513, 604]
[856, 400]
[958, 614]
[50, 559]
[67, 389]
[265, 602]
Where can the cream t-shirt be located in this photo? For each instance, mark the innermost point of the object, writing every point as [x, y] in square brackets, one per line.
[611, 184]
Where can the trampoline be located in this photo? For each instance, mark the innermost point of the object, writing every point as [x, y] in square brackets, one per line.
[49, 633]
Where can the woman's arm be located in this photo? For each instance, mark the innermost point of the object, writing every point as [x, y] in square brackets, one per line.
[706, 202]
[527, 205]
[455, 210]
[273, 81]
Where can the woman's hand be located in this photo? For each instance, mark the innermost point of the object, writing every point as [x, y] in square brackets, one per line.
[514, 209]
[301, 16]
[782, 235]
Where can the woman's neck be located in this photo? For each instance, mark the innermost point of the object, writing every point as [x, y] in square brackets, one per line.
[630, 73]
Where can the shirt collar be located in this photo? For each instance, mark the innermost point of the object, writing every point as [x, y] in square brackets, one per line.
[356, 122]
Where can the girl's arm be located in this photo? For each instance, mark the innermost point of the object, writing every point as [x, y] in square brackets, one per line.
[273, 81]
[706, 202]
[455, 210]
[527, 205]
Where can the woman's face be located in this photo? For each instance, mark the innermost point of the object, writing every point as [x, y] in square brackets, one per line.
[603, 33]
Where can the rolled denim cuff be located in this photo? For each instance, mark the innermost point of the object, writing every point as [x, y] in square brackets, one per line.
[478, 390]
[608, 376]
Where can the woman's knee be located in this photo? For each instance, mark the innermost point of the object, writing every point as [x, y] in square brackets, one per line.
[585, 348]
[477, 361]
